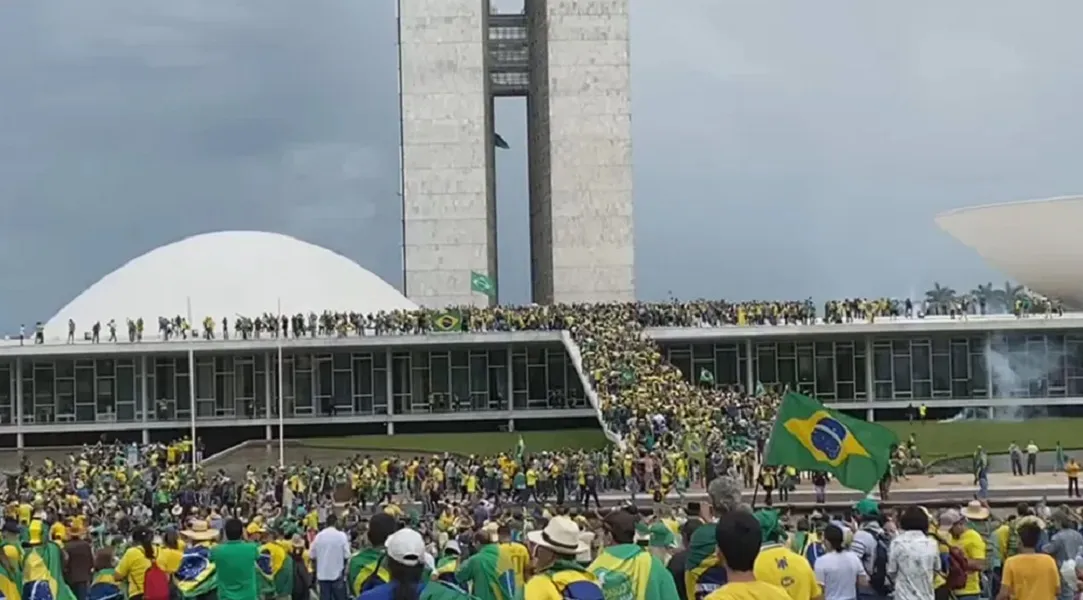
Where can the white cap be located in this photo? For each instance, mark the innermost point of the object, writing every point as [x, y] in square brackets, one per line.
[406, 547]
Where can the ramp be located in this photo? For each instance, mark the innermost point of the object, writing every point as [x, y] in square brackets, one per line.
[588, 387]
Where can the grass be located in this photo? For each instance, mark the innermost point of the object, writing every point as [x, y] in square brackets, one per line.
[963, 437]
[936, 441]
[467, 443]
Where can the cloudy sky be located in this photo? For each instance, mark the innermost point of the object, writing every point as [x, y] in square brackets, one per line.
[782, 148]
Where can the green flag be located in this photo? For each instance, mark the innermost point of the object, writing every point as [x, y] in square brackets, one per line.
[447, 321]
[481, 284]
[810, 437]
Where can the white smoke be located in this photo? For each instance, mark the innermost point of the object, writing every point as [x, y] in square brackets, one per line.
[1017, 373]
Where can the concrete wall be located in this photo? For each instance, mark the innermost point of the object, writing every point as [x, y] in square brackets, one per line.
[446, 149]
[581, 114]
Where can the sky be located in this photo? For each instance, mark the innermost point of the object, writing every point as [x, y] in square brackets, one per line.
[782, 149]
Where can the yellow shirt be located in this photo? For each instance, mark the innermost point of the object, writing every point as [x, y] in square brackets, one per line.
[973, 545]
[778, 565]
[132, 568]
[169, 559]
[520, 558]
[748, 590]
[549, 586]
[1031, 577]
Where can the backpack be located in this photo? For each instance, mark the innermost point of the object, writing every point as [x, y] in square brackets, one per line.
[957, 572]
[155, 583]
[878, 578]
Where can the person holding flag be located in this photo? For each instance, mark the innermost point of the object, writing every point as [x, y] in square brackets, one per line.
[809, 437]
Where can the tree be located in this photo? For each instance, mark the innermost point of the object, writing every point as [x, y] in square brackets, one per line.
[940, 298]
[985, 295]
[1009, 294]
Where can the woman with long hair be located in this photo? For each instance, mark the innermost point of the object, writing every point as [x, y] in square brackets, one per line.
[133, 566]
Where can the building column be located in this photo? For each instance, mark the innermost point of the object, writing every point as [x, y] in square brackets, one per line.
[511, 425]
[750, 369]
[869, 393]
[390, 394]
[146, 401]
[987, 352]
[268, 392]
[20, 441]
[511, 383]
[869, 415]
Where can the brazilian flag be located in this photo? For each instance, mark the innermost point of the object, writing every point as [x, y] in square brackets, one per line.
[197, 574]
[42, 574]
[447, 321]
[810, 437]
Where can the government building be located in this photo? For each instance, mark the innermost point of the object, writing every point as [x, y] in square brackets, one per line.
[461, 381]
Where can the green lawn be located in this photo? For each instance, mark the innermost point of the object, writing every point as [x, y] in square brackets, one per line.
[937, 440]
[467, 443]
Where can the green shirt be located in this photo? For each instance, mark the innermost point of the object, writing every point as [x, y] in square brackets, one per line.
[235, 565]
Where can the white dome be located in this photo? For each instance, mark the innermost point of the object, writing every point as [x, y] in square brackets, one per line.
[226, 274]
[1035, 242]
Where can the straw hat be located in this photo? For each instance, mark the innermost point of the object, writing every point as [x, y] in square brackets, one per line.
[561, 536]
[975, 511]
[199, 530]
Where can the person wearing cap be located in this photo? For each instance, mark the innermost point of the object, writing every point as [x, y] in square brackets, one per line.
[489, 571]
[953, 523]
[626, 564]
[738, 538]
[405, 553]
[866, 540]
[448, 562]
[302, 575]
[778, 564]
[556, 574]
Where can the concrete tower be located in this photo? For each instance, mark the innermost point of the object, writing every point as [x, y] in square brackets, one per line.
[570, 59]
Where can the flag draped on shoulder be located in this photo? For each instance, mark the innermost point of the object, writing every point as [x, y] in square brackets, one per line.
[43, 577]
[10, 577]
[366, 570]
[276, 567]
[808, 436]
[629, 571]
[197, 574]
[104, 586]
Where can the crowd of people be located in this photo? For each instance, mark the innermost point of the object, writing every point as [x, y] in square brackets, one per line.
[114, 521]
[695, 313]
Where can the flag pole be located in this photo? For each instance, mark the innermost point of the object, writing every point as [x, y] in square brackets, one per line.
[281, 389]
[192, 382]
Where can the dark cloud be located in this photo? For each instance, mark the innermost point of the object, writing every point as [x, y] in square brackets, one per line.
[783, 149]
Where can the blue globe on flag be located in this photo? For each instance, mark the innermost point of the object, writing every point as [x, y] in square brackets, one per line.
[829, 436]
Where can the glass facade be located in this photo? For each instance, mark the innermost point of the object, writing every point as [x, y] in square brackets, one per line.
[244, 386]
[901, 368]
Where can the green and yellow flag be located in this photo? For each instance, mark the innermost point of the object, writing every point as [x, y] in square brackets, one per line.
[482, 284]
[808, 436]
[447, 321]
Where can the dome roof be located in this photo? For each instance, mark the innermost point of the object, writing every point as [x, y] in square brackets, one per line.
[1035, 242]
[226, 274]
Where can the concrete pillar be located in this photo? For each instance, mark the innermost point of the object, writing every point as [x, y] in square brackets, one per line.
[390, 395]
[750, 369]
[269, 391]
[19, 438]
[146, 436]
[988, 351]
[148, 404]
[869, 415]
[511, 425]
[510, 394]
[871, 395]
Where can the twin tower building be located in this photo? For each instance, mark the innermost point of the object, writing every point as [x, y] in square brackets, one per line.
[570, 60]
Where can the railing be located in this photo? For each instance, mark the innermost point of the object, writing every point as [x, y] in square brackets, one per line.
[577, 360]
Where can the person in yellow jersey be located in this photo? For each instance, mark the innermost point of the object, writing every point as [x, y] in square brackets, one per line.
[134, 564]
[557, 576]
[778, 564]
[738, 537]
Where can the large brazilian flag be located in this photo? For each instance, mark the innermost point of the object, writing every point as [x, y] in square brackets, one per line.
[196, 574]
[42, 574]
[808, 436]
